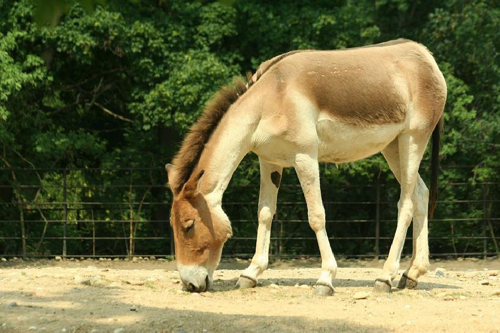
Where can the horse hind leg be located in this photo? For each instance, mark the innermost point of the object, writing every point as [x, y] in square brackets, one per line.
[404, 161]
[420, 258]
[270, 177]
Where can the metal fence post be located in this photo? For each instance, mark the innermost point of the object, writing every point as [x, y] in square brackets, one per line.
[377, 218]
[23, 229]
[65, 207]
[280, 244]
[485, 217]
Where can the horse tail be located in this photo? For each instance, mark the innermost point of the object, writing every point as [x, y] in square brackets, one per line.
[436, 146]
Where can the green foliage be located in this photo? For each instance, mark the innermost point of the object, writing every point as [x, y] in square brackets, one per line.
[109, 83]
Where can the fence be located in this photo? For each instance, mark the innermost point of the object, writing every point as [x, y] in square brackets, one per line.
[124, 212]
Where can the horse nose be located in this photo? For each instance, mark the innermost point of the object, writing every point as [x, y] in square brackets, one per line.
[195, 287]
[194, 278]
[191, 287]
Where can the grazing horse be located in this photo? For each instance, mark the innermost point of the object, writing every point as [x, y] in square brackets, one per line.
[298, 109]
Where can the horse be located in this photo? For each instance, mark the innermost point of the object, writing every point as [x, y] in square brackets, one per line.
[301, 108]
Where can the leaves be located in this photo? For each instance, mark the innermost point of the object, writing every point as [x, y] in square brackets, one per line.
[158, 62]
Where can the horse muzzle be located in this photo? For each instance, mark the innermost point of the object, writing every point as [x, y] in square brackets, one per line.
[194, 278]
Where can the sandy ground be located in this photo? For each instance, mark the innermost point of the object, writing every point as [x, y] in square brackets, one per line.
[110, 296]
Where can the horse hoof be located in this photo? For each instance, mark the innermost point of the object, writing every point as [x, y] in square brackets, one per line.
[402, 282]
[407, 282]
[322, 290]
[382, 286]
[245, 283]
[411, 283]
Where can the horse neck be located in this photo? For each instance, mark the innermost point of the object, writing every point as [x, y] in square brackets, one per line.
[230, 142]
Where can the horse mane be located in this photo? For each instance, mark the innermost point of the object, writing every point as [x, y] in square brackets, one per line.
[194, 142]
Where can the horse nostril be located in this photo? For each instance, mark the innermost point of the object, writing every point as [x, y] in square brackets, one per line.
[191, 287]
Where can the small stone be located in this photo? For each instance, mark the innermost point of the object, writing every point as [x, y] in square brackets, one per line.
[304, 286]
[134, 283]
[4, 260]
[474, 259]
[152, 258]
[493, 273]
[58, 258]
[463, 298]
[440, 272]
[119, 330]
[449, 298]
[470, 274]
[361, 295]
[95, 279]
[460, 259]
[133, 308]
[297, 285]
[176, 281]
[274, 285]
[102, 259]
[32, 328]
[484, 282]
[11, 305]
[135, 260]
[63, 330]
[83, 280]
[495, 293]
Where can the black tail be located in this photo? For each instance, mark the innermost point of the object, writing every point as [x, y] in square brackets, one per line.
[436, 145]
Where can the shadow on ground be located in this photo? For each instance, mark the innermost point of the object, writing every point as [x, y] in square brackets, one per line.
[56, 313]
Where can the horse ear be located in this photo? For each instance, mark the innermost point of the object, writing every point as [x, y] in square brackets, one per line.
[192, 185]
[171, 173]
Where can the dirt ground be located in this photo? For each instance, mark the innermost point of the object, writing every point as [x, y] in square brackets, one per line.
[124, 296]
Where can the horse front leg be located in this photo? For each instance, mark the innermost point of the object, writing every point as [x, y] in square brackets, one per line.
[307, 169]
[270, 178]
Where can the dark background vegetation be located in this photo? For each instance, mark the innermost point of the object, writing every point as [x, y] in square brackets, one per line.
[116, 84]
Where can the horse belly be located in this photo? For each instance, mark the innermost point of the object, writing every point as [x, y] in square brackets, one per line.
[341, 143]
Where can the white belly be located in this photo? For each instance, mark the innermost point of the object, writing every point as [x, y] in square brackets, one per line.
[341, 143]
[338, 142]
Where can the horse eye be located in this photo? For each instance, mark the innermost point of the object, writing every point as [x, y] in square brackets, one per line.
[189, 225]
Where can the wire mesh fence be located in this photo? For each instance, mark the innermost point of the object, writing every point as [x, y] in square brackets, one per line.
[122, 212]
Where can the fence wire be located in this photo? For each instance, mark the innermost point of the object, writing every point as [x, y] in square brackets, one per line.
[124, 212]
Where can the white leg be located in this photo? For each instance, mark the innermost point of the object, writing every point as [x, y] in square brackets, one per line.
[307, 170]
[420, 258]
[270, 177]
[411, 149]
